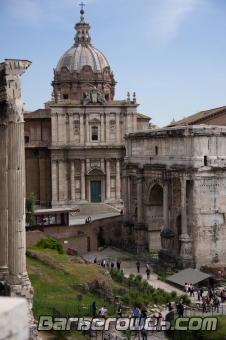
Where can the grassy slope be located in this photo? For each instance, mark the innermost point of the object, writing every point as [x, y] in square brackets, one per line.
[52, 285]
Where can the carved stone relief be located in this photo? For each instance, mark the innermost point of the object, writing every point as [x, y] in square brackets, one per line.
[112, 127]
[76, 127]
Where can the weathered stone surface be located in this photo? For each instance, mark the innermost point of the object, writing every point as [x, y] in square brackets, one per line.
[183, 191]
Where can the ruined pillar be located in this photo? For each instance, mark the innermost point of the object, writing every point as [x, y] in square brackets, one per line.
[17, 283]
[4, 193]
[185, 259]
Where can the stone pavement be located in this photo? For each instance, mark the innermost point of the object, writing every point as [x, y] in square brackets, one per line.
[95, 210]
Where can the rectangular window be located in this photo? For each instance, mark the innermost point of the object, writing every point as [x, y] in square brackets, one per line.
[156, 150]
[65, 96]
[94, 133]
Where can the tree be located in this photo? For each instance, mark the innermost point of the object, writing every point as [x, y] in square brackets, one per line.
[29, 207]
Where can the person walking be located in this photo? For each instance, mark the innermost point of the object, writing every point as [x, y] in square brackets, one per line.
[148, 273]
[118, 264]
[136, 314]
[138, 266]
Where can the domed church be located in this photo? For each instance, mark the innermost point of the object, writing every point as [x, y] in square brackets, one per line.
[75, 147]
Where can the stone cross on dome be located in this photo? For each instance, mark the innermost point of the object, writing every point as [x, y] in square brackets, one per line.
[82, 4]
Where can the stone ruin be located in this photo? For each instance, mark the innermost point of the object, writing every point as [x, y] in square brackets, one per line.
[13, 273]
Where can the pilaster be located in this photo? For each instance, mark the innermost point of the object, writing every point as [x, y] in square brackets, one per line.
[118, 179]
[107, 115]
[108, 180]
[81, 115]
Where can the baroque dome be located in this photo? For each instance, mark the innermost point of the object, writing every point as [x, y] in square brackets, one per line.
[83, 68]
[78, 56]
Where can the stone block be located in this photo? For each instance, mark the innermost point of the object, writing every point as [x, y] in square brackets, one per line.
[14, 319]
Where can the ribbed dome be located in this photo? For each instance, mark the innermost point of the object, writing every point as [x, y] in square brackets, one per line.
[78, 56]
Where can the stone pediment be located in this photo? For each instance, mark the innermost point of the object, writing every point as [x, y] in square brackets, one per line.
[64, 85]
[94, 120]
[95, 172]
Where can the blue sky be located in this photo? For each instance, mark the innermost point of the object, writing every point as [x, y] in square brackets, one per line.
[172, 53]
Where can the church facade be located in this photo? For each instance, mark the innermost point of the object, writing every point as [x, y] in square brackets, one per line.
[75, 147]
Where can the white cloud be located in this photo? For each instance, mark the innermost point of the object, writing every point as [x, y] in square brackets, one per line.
[169, 15]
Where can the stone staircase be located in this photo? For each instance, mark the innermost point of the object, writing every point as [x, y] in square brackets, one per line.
[97, 209]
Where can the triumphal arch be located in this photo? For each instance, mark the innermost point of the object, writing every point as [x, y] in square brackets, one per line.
[175, 184]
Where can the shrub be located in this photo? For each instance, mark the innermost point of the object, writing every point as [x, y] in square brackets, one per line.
[138, 278]
[50, 243]
[185, 298]
[126, 299]
[139, 302]
[173, 294]
[131, 277]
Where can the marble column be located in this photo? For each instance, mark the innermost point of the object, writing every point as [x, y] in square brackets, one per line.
[18, 283]
[102, 128]
[81, 128]
[108, 180]
[55, 196]
[139, 176]
[3, 201]
[134, 121]
[87, 127]
[185, 259]
[118, 179]
[118, 133]
[72, 177]
[107, 127]
[83, 188]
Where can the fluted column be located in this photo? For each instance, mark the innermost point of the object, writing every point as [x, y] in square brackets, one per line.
[183, 207]
[83, 188]
[165, 204]
[139, 176]
[81, 129]
[118, 132]
[3, 202]
[16, 202]
[118, 179]
[185, 259]
[87, 127]
[126, 198]
[72, 177]
[107, 127]
[108, 180]
[102, 128]
[55, 197]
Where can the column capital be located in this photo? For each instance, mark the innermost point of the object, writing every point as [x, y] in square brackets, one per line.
[140, 174]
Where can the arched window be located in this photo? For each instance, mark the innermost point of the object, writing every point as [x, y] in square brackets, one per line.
[94, 133]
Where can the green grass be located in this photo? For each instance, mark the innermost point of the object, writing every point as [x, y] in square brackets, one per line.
[54, 287]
